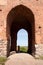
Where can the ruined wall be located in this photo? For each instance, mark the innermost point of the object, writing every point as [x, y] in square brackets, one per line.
[36, 6]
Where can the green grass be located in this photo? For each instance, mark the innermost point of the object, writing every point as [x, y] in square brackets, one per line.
[23, 48]
[2, 60]
[40, 57]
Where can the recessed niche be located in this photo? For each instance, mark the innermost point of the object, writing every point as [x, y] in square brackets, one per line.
[0, 9]
[36, 0]
[39, 27]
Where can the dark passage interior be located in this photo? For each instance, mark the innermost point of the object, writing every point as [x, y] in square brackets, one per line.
[18, 18]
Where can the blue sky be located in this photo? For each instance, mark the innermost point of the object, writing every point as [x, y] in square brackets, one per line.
[22, 37]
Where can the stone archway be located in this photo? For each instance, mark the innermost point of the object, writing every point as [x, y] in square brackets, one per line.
[20, 17]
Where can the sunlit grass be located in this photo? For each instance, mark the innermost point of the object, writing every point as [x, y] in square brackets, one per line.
[39, 57]
[2, 60]
[23, 48]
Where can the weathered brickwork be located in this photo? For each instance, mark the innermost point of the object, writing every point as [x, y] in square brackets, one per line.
[36, 6]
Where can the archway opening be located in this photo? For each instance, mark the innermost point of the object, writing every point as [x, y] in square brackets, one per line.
[18, 18]
[22, 41]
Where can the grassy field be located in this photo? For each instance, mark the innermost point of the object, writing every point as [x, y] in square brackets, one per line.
[23, 49]
[2, 60]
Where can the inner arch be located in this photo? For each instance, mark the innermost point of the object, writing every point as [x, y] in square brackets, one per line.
[22, 38]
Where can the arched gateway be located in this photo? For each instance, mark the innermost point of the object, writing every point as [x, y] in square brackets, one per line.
[18, 18]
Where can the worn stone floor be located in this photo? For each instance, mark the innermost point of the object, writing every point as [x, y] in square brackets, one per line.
[23, 59]
[39, 62]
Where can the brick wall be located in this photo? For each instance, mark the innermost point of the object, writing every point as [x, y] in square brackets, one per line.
[36, 6]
